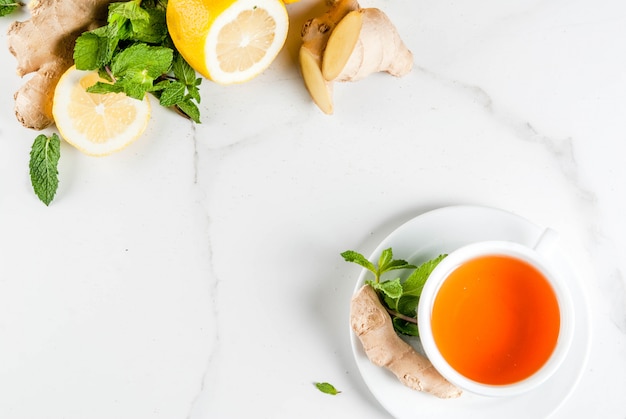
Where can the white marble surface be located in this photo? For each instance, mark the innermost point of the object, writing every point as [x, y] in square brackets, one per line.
[197, 273]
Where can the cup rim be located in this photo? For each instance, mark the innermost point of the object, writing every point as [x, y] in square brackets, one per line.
[494, 247]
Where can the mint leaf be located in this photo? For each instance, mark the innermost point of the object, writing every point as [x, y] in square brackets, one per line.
[189, 108]
[9, 6]
[137, 67]
[385, 257]
[129, 10]
[415, 282]
[184, 72]
[407, 305]
[359, 259]
[398, 264]
[145, 61]
[104, 88]
[391, 289]
[413, 286]
[387, 263]
[405, 327]
[172, 94]
[95, 49]
[44, 159]
[152, 30]
[327, 388]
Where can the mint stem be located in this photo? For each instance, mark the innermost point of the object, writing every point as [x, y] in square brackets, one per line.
[400, 315]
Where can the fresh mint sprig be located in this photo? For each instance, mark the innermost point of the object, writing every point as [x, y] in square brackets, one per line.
[136, 55]
[400, 298]
[386, 262]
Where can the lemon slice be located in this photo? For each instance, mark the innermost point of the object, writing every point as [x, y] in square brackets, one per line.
[96, 124]
[228, 41]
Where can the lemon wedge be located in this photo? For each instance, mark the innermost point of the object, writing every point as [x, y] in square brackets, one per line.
[228, 41]
[96, 124]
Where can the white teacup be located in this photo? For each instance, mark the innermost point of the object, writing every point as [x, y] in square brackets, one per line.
[479, 333]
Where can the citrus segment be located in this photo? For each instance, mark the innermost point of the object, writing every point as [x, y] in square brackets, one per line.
[97, 124]
[228, 41]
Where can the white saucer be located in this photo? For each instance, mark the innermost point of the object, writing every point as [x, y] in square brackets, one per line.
[444, 230]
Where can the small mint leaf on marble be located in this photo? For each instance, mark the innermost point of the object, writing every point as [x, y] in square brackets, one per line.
[327, 388]
[44, 159]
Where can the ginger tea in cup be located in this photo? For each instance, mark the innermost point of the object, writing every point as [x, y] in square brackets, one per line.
[495, 319]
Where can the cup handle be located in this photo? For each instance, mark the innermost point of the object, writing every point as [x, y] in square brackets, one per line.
[546, 242]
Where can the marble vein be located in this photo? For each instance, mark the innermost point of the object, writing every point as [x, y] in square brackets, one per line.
[562, 150]
[612, 279]
[213, 280]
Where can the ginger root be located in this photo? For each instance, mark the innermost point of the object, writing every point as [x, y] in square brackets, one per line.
[372, 324]
[44, 45]
[348, 43]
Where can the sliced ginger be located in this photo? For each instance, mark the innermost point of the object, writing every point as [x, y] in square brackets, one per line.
[348, 43]
[372, 324]
[44, 45]
[341, 43]
[315, 34]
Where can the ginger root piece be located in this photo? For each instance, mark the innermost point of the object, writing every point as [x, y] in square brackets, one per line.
[348, 43]
[44, 45]
[372, 324]
[315, 34]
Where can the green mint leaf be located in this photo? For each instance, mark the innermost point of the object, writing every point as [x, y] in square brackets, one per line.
[359, 259]
[94, 49]
[387, 263]
[172, 94]
[130, 10]
[119, 27]
[183, 71]
[9, 6]
[407, 305]
[194, 92]
[404, 327]
[158, 88]
[152, 30]
[391, 289]
[44, 159]
[136, 68]
[385, 258]
[413, 286]
[415, 282]
[190, 109]
[327, 388]
[104, 88]
[142, 62]
[398, 264]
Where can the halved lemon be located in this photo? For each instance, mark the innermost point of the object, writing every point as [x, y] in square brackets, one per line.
[228, 41]
[97, 124]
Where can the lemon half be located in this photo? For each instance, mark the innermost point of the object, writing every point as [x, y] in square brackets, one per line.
[96, 124]
[228, 41]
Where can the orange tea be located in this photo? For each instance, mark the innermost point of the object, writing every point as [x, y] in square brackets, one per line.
[496, 320]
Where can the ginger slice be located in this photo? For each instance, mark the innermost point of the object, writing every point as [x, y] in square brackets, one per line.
[341, 44]
[365, 42]
[315, 33]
